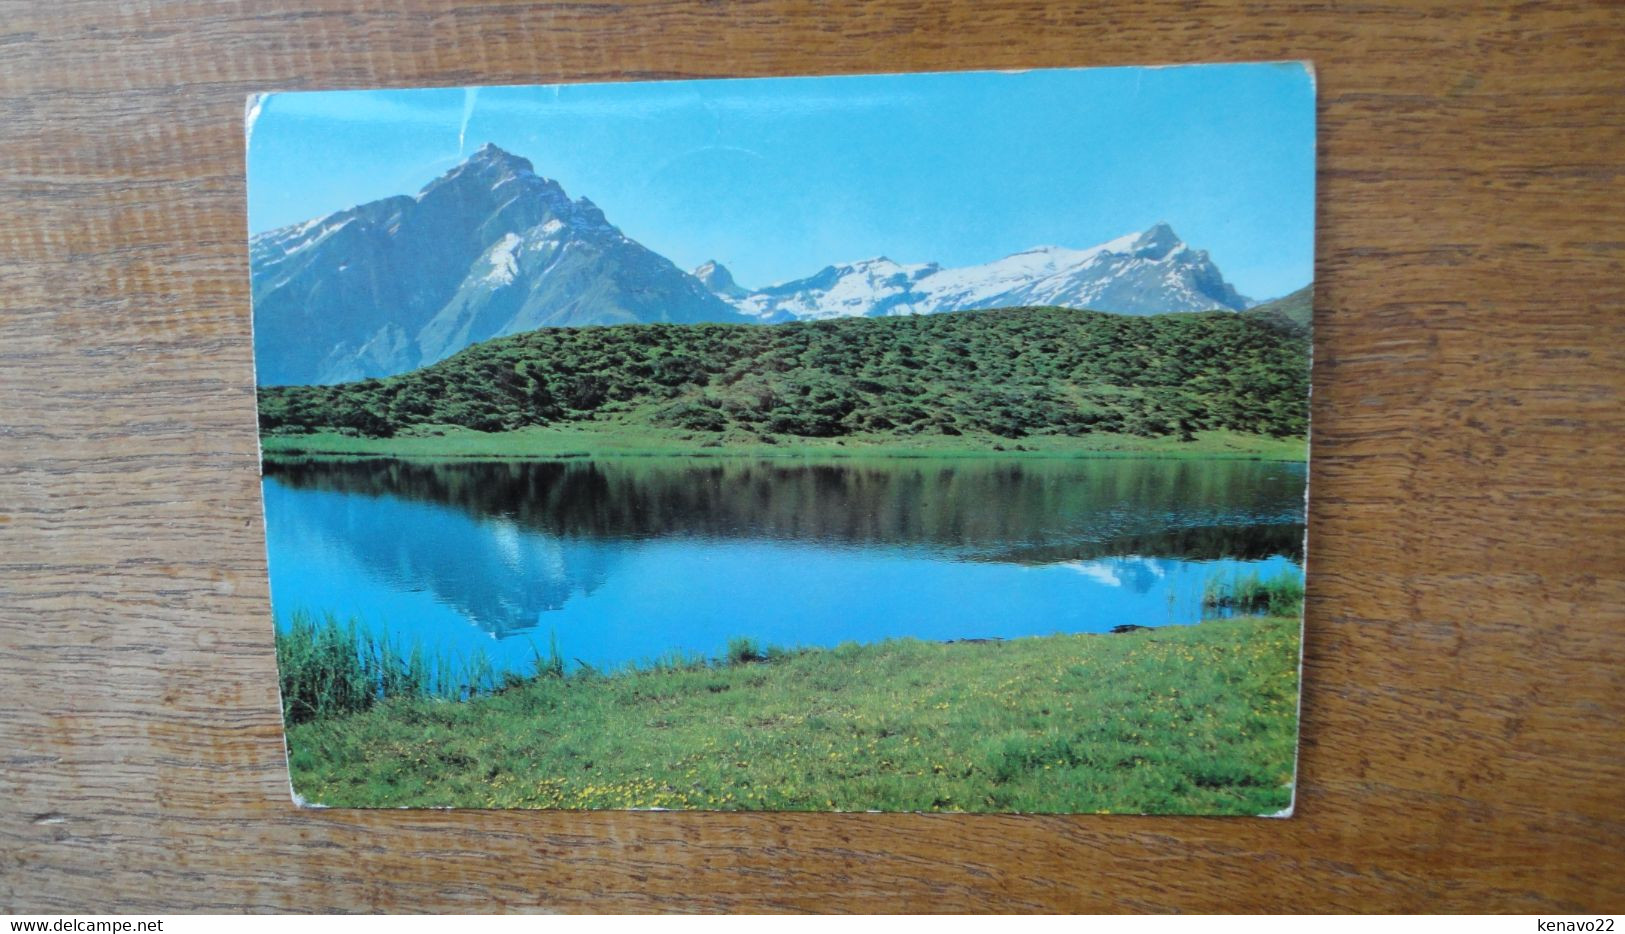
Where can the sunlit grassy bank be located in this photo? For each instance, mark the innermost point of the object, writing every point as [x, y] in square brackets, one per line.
[612, 437]
[1187, 719]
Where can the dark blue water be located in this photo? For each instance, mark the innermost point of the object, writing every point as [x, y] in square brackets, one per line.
[624, 560]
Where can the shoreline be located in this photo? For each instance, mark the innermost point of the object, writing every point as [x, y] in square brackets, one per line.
[576, 443]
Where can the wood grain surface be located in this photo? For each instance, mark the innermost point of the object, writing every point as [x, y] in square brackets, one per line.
[1462, 737]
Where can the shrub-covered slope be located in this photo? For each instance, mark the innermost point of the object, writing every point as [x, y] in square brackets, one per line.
[1008, 372]
[1293, 313]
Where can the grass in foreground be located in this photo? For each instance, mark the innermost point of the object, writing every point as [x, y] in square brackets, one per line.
[328, 668]
[1195, 719]
[613, 437]
[1279, 595]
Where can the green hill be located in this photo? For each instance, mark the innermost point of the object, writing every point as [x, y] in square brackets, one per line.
[1294, 313]
[1009, 373]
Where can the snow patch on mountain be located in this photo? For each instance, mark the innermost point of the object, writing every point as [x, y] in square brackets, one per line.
[501, 257]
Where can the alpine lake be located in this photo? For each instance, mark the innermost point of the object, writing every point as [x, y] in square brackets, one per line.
[624, 561]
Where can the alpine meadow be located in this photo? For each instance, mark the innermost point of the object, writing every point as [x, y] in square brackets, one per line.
[994, 526]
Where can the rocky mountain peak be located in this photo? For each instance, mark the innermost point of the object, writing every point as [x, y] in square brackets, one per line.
[489, 176]
[485, 250]
[1157, 242]
[492, 156]
[714, 276]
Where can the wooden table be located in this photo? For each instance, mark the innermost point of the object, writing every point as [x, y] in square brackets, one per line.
[1466, 627]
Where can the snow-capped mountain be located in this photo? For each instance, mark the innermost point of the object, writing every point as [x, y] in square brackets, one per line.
[491, 249]
[488, 249]
[1141, 273]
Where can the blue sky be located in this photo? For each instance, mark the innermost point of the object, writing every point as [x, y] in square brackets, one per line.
[776, 178]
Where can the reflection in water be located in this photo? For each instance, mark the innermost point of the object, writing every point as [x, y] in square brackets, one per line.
[1137, 574]
[498, 575]
[1040, 511]
[624, 559]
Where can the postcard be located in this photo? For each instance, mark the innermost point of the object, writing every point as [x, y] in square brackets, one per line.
[929, 442]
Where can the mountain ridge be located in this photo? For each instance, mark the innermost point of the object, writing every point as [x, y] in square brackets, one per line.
[1149, 272]
[490, 248]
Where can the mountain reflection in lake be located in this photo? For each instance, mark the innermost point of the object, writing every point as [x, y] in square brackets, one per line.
[626, 559]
